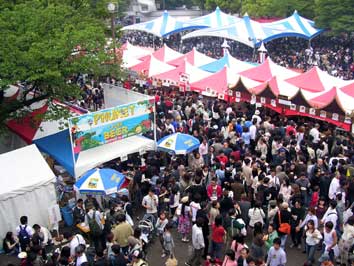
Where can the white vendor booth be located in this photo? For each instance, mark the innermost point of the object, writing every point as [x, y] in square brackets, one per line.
[27, 188]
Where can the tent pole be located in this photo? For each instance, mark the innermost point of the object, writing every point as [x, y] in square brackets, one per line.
[155, 135]
[72, 150]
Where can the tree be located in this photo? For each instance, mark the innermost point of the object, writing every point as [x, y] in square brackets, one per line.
[38, 39]
[335, 15]
[226, 6]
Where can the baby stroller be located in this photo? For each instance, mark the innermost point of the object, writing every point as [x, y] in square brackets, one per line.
[146, 226]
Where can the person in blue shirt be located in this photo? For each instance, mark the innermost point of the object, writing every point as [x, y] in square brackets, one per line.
[238, 127]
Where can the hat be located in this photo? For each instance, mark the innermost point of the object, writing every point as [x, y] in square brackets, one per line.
[257, 112]
[22, 255]
[185, 199]
[324, 257]
[136, 253]
[263, 157]
[215, 127]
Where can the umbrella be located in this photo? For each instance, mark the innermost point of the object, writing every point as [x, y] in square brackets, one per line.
[100, 181]
[178, 143]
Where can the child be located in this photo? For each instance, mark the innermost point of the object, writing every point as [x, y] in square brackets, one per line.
[276, 255]
[161, 223]
[168, 243]
[315, 197]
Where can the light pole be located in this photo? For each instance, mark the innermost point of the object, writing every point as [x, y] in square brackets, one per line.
[112, 9]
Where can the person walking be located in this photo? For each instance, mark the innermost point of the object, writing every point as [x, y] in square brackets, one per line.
[276, 255]
[198, 243]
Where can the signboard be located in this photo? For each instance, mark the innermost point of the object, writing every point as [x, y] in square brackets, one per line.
[95, 129]
[323, 114]
[284, 100]
[184, 77]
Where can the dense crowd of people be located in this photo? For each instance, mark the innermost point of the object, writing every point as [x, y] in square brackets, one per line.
[333, 54]
[259, 185]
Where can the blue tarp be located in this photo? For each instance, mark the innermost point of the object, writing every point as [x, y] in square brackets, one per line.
[59, 148]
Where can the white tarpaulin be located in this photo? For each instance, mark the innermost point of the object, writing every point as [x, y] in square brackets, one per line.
[27, 188]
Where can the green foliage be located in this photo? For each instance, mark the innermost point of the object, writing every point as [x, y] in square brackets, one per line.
[335, 15]
[37, 41]
[226, 6]
[276, 8]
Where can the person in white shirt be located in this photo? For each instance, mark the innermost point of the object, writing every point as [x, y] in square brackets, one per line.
[43, 233]
[150, 203]
[253, 130]
[346, 241]
[313, 238]
[315, 134]
[75, 241]
[80, 255]
[203, 149]
[198, 243]
[24, 233]
[257, 117]
[311, 215]
[195, 206]
[276, 255]
[334, 187]
[331, 214]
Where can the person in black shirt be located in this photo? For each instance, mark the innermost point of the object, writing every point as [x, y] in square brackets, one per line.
[202, 213]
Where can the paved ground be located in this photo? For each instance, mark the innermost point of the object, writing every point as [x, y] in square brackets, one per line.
[295, 256]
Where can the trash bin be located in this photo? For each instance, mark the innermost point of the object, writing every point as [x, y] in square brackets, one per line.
[67, 214]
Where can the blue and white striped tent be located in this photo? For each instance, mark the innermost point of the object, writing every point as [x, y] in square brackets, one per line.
[303, 27]
[214, 19]
[229, 61]
[246, 31]
[162, 26]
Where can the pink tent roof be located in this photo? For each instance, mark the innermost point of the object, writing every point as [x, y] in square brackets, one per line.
[216, 82]
[173, 75]
[276, 86]
[348, 89]
[165, 54]
[267, 70]
[151, 66]
[324, 99]
[193, 57]
[316, 80]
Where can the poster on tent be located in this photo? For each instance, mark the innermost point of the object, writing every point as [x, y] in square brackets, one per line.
[105, 126]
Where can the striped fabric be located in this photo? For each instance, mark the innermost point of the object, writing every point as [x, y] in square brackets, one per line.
[303, 28]
[214, 20]
[162, 26]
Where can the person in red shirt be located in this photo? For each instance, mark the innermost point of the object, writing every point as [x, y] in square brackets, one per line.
[290, 129]
[217, 238]
[222, 158]
[214, 190]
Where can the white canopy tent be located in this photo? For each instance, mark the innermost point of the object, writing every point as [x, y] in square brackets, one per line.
[27, 188]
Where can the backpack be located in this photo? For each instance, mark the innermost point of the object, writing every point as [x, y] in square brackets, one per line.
[235, 227]
[95, 229]
[23, 236]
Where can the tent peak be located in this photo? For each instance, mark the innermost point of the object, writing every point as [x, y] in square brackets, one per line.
[295, 11]
[217, 8]
[246, 15]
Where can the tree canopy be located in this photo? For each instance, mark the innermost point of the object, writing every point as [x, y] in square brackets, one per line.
[335, 15]
[38, 40]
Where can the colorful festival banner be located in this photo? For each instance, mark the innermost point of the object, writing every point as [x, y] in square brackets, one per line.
[98, 128]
